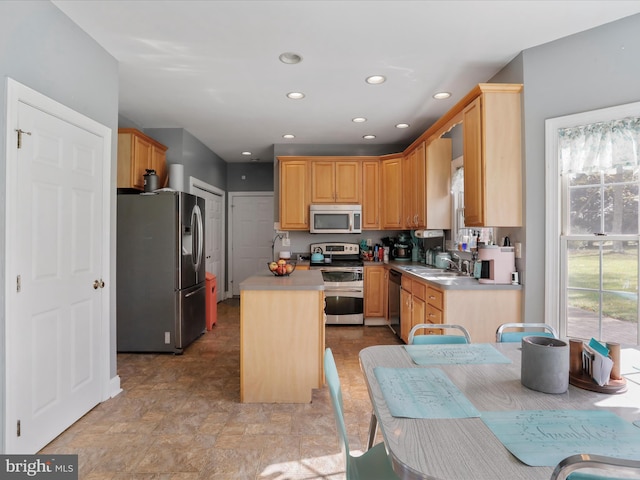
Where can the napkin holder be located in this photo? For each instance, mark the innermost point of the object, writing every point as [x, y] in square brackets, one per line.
[545, 364]
[581, 369]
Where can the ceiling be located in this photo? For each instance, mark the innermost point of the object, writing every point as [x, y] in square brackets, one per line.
[212, 67]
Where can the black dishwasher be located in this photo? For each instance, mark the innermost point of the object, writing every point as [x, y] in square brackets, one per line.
[393, 304]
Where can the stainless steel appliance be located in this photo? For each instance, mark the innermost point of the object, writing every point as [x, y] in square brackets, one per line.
[160, 272]
[343, 274]
[335, 218]
[393, 300]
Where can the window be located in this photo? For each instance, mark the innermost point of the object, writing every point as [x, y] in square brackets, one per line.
[592, 234]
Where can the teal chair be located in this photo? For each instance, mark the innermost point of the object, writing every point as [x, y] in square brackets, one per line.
[539, 330]
[568, 469]
[438, 339]
[374, 463]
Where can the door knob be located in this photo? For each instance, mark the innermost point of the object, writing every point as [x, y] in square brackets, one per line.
[98, 284]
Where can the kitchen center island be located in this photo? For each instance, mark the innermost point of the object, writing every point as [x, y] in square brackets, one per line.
[281, 337]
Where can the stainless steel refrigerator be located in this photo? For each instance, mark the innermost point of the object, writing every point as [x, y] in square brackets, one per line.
[160, 272]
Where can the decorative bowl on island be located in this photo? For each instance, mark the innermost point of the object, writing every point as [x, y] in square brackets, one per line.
[281, 267]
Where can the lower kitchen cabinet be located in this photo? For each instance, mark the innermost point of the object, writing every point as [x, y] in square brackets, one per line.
[375, 291]
[405, 313]
[281, 345]
[480, 311]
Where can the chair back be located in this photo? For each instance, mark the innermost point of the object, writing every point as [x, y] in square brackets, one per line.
[540, 330]
[432, 339]
[335, 391]
[568, 469]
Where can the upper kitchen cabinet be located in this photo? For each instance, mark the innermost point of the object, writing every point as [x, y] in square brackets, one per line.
[391, 192]
[414, 204]
[438, 184]
[295, 193]
[492, 157]
[335, 180]
[136, 153]
[371, 194]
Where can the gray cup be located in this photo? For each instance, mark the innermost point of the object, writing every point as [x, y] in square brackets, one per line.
[545, 364]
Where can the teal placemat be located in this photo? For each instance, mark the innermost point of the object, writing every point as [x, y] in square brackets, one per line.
[422, 393]
[541, 438]
[449, 354]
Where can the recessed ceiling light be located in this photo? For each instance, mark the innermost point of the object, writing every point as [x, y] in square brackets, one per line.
[441, 95]
[290, 58]
[402, 125]
[358, 120]
[376, 79]
[246, 154]
[369, 137]
[288, 135]
[295, 95]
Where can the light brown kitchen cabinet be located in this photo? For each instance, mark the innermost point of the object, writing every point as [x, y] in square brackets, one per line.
[335, 180]
[438, 184]
[414, 203]
[375, 291]
[418, 303]
[391, 193]
[492, 158]
[295, 193]
[291, 324]
[481, 312]
[371, 195]
[406, 319]
[413, 305]
[138, 152]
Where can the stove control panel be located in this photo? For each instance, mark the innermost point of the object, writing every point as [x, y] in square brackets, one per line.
[336, 248]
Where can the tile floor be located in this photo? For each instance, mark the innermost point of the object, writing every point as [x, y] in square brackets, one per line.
[179, 417]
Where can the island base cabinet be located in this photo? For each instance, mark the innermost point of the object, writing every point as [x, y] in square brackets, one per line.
[281, 345]
[481, 312]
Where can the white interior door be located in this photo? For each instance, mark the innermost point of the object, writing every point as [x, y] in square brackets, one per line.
[55, 345]
[252, 235]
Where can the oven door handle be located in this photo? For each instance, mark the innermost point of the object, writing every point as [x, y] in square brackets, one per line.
[355, 290]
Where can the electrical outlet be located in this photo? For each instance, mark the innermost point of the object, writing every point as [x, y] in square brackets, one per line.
[517, 250]
[286, 242]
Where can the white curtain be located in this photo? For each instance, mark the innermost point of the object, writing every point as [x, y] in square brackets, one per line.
[600, 146]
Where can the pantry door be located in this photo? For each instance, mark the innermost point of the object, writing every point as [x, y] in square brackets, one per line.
[57, 349]
[251, 239]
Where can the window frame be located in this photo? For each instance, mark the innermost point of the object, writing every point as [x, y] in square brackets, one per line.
[555, 209]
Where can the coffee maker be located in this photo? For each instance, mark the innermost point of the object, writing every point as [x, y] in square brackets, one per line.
[497, 264]
[402, 247]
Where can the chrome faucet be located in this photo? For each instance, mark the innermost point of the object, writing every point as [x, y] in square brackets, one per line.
[452, 265]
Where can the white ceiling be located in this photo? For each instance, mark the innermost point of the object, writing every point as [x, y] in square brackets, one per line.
[212, 68]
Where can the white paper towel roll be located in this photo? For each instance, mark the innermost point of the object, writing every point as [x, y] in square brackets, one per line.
[176, 176]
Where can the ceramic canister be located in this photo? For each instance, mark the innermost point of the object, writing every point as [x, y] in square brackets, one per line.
[545, 364]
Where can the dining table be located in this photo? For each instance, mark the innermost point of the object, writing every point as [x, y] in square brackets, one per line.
[458, 412]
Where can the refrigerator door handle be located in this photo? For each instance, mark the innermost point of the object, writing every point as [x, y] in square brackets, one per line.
[197, 236]
[194, 292]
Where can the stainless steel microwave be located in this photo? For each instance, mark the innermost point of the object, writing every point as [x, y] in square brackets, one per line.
[335, 218]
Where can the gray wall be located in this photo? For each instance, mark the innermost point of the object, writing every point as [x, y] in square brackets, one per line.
[594, 69]
[198, 160]
[42, 49]
[250, 177]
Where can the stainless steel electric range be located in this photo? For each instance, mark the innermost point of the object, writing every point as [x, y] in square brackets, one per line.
[343, 273]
